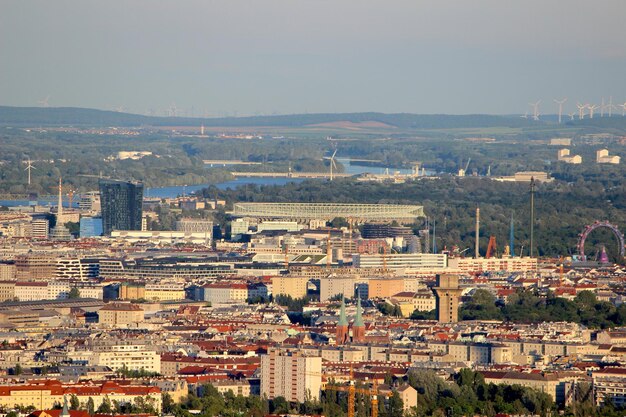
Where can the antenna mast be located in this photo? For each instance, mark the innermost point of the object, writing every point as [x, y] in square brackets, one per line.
[532, 215]
[477, 244]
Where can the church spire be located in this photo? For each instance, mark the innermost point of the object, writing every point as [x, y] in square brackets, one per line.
[358, 327]
[341, 336]
[358, 321]
[343, 321]
[65, 412]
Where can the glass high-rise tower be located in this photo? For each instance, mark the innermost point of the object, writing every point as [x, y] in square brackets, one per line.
[121, 203]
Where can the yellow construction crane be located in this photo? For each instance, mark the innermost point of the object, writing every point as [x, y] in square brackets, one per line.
[352, 390]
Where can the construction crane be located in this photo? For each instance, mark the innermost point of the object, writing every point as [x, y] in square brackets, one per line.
[463, 172]
[352, 390]
[491, 248]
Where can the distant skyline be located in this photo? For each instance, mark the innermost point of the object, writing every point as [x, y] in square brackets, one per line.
[247, 57]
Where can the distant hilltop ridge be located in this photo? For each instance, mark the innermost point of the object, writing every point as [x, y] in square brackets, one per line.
[63, 116]
[76, 116]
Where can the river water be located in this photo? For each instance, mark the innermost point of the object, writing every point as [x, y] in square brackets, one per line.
[175, 191]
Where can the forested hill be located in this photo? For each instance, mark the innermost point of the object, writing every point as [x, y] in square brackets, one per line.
[54, 116]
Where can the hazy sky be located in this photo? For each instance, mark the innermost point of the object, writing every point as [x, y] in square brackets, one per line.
[293, 56]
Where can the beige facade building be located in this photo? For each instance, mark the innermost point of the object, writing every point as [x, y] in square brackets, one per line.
[132, 291]
[333, 285]
[46, 394]
[290, 374]
[610, 384]
[563, 155]
[164, 291]
[553, 384]
[510, 264]
[8, 272]
[7, 290]
[384, 287]
[603, 157]
[132, 356]
[296, 287]
[31, 291]
[409, 302]
[120, 314]
[226, 293]
[35, 267]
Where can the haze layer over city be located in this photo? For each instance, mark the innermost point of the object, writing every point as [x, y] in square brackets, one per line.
[312, 208]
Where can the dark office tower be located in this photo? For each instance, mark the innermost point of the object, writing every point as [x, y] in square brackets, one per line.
[121, 205]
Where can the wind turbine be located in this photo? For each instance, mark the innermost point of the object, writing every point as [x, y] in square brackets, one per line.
[28, 168]
[611, 106]
[581, 111]
[332, 164]
[623, 106]
[592, 108]
[173, 110]
[602, 107]
[571, 116]
[44, 102]
[525, 116]
[560, 103]
[535, 107]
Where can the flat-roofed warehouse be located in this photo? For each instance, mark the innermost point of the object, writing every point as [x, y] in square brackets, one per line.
[305, 212]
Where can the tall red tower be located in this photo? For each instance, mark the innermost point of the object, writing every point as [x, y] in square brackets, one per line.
[358, 327]
[341, 336]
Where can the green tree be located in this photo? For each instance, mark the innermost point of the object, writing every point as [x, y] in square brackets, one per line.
[74, 402]
[105, 407]
[396, 405]
[424, 315]
[339, 222]
[279, 405]
[482, 306]
[167, 403]
[91, 408]
[74, 293]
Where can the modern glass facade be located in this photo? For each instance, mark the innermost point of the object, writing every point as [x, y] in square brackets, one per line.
[121, 203]
[90, 226]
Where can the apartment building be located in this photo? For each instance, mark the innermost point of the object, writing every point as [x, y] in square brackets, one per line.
[610, 384]
[46, 394]
[7, 290]
[120, 314]
[164, 291]
[409, 301]
[132, 355]
[76, 268]
[225, 293]
[291, 374]
[430, 261]
[294, 286]
[8, 271]
[31, 291]
[35, 267]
